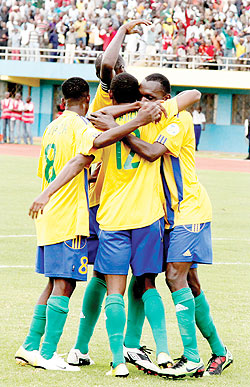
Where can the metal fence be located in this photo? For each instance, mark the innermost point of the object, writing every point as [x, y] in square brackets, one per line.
[73, 55]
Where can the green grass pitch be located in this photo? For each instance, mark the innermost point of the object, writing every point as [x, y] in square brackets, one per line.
[226, 284]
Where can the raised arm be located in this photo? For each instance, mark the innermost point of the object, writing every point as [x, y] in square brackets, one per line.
[110, 55]
[69, 171]
[187, 98]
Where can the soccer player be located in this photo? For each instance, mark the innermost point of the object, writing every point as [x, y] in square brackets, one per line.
[63, 226]
[189, 215]
[107, 65]
[129, 212]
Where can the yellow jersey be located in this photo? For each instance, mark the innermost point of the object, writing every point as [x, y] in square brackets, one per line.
[101, 100]
[66, 214]
[131, 195]
[187, 201]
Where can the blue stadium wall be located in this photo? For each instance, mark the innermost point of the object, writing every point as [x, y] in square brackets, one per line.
[221, 136]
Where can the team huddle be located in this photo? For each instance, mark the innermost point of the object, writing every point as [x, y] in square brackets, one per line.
[141, 208]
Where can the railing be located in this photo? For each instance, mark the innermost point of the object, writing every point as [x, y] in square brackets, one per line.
[72, 55]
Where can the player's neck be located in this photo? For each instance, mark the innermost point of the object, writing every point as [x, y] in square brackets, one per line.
[76, 109]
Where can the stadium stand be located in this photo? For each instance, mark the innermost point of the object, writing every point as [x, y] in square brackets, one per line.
[211, 34]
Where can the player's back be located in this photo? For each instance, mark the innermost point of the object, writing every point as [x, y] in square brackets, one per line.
[187, 199]
[131, 193]
[66, 214]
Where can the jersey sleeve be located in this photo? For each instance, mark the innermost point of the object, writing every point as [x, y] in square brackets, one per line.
[86, 144]
[171, 107]
[101, 100]
[172, 136]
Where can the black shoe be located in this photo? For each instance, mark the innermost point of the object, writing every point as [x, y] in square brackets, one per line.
[248, 157]
[218, 363]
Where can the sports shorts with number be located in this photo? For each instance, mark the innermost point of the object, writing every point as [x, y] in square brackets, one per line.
[67, 259]
[66, 216]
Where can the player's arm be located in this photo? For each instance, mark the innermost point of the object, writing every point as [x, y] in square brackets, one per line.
[110, 55]
[69, 171]
[149, 152]
[187, 98]
[148, 113]
[117, 111]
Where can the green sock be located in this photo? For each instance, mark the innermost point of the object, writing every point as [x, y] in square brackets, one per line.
[115, 323]
[37, 327]
[57, 311]
[155, 313]
[185, 313]
[136, 316]
[91, 309]
[206, 325]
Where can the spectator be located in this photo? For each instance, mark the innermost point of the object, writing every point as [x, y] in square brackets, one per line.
[15, 39]
[199, 121]
[16, 108]
[80, 27]
[229, 43]
[3, 39]
[28, 119]
[247, 134]
[4, 14]
[53, 41]
[107, 36]
[71, 37]
[25, 38]
[34, 44]
[6, 115]
[240, 50]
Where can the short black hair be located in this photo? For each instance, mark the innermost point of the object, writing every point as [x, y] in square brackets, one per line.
[75, 88]
[119, 63]
[157, 77]
[125, 88]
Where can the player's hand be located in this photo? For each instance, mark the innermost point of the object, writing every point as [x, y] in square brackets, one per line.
[38, 205]
[159, 103]
[102, 120]
[130, 26]
[150, 112]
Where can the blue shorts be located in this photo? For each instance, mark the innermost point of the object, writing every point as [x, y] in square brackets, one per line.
[64, 260]
[93, 240]
[140, 248]
[189, 243]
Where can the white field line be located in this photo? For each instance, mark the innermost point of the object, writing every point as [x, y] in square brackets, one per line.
[214, 239]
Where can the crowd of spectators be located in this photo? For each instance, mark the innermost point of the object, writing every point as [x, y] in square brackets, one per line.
[180, 29]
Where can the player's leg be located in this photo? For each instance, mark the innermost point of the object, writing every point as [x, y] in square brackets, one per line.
[155, 313]
[115, 322]
[92, 300]
[136, 315]
[147, 257]
[112, 259]
[221, 357]
[56, 314]
[91, 309]
[68, 258]
[179, 260]
[27, 353]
